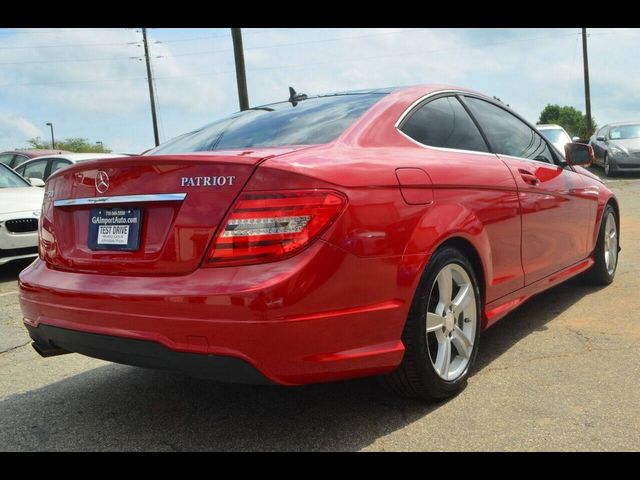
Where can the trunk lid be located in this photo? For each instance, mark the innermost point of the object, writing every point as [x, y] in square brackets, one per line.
[182, 199]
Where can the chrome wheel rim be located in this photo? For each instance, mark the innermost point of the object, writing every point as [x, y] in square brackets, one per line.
[451, 322]
[610, 244]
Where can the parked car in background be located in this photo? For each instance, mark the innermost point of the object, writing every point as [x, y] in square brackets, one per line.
[616, 147]
[318, 238]
[16, 157]
[20, 205]
[557, 135]
[43, 167]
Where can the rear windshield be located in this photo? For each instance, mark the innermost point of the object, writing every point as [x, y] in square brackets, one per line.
[313, 121]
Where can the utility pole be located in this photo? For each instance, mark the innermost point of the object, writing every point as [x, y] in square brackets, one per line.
[151, 93]
[587, 92]
[241, 76]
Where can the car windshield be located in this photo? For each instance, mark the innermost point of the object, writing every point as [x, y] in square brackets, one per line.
[10, 179]
[555, 135]
[312, 121]
[624, 132]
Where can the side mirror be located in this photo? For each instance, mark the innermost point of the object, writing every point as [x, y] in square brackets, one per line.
[36, 182]
[600, 139]
[575, 139]
[578, 154]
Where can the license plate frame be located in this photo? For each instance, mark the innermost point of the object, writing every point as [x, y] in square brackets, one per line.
[126, 235]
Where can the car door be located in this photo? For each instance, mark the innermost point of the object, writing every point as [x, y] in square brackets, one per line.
[556, 208]
[470, 182]
[599, 146]
[33, 169]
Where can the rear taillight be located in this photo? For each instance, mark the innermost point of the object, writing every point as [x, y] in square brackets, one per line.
[267, 226]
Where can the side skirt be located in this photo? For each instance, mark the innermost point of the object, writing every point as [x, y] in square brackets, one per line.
[497, 309]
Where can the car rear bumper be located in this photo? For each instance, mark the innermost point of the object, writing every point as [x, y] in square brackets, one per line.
[142, 353]
[321, 315]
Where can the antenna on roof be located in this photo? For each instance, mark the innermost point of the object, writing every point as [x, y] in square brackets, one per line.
[294, 97]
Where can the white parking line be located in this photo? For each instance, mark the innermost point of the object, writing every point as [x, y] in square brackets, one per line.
[5, 294]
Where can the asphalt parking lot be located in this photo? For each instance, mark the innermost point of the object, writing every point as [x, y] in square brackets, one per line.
[561, 373]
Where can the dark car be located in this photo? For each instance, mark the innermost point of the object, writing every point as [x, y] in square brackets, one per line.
[616, 147]
[14, 158]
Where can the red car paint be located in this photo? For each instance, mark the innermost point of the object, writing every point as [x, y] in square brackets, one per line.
[335, 308]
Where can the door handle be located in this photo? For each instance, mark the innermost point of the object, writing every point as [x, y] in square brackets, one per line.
[528, 177]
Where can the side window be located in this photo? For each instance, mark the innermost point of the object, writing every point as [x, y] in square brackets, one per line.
[6, 159]
[58, 164]
[507, 134]
[601, 132]
[444, 122]
[35, 169]
[19, 159]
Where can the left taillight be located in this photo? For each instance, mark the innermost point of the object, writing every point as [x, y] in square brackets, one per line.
[267, 226]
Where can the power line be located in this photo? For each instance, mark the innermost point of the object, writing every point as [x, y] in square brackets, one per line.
[308, 64]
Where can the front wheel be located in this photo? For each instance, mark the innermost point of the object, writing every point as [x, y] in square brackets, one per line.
[609, 168]
[442, 331]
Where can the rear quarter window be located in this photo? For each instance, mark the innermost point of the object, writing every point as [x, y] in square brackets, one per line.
[445, 123]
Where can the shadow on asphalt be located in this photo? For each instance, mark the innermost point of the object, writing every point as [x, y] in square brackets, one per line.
[116, 407]
[10, 271]
[531, 316]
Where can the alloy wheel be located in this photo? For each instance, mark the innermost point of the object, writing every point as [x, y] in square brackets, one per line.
[451, 322]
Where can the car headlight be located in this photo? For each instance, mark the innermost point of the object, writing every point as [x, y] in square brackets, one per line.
[616, 150]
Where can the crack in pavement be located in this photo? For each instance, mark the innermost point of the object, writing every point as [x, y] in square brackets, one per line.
[16, 347]
[581, 336]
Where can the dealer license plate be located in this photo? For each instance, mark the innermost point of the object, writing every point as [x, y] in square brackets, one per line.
[114, 228]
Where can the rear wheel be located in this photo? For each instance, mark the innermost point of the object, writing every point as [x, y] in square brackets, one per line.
[606, 253]
[442, 331]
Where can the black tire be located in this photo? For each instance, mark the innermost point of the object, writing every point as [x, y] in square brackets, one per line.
[416, 376]
[598, 274]
[609, 166]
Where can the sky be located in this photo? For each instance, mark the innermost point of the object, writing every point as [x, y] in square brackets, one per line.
[92, 82]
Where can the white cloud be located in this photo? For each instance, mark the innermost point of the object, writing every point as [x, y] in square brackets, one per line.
[92, 88]
[15, 130]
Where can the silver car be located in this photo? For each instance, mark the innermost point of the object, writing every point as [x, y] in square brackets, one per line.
[616, 147]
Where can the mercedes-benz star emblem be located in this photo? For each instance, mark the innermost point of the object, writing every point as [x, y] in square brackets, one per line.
[102, 181]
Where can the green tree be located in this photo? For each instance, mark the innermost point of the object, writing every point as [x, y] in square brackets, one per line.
[572, 120]
[78, 145]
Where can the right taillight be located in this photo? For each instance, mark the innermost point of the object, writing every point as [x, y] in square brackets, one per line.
[267, 226]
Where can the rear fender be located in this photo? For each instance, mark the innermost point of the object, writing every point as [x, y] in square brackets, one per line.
[436, 228]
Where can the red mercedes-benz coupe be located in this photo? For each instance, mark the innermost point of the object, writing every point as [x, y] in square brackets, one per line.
[322, 238]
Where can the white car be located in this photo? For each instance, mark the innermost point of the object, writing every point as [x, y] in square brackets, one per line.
[20, 204]
[557, 135]
[43, 167]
